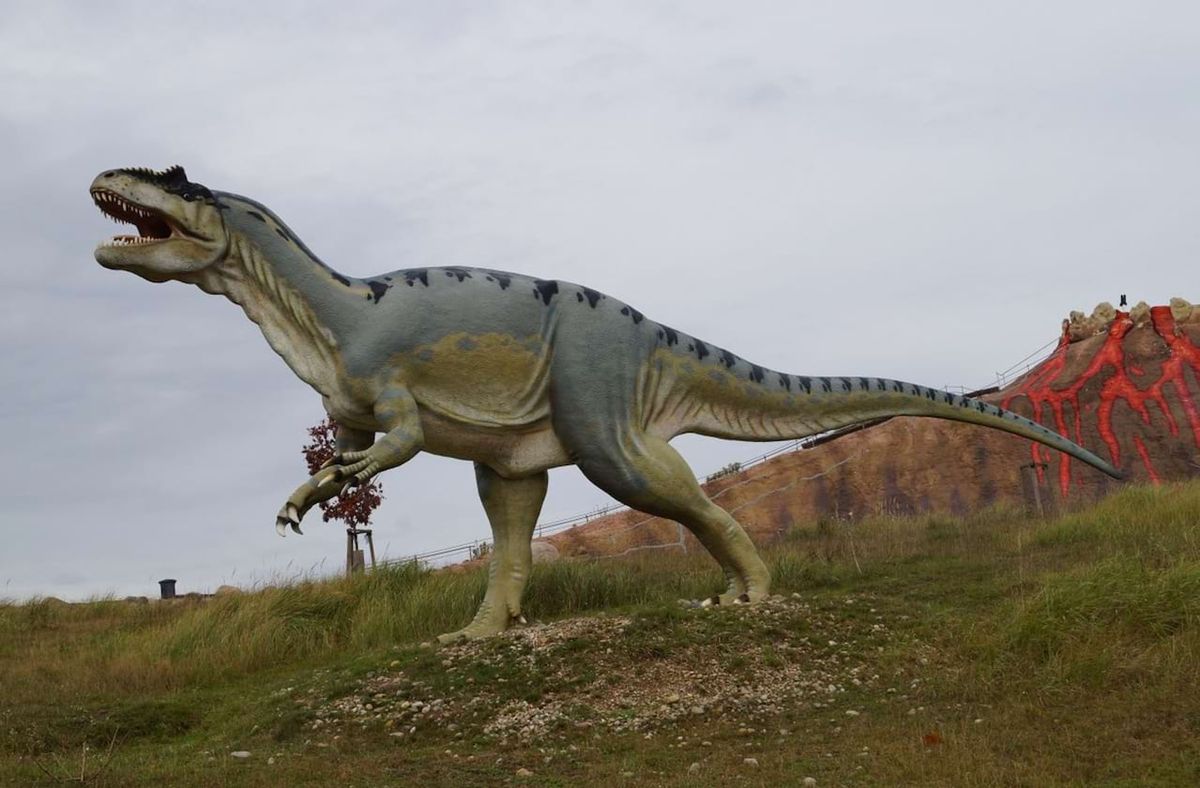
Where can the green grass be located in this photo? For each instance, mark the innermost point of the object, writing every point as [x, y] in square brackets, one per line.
[1075, 640]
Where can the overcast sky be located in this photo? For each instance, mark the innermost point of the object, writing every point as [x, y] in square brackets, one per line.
[918, 191]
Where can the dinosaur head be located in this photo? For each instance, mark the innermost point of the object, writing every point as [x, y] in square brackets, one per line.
[179, 225]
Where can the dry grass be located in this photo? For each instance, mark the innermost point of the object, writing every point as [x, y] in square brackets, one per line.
[1077, 640]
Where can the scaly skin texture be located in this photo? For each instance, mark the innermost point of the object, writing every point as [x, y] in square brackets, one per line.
[518, 375]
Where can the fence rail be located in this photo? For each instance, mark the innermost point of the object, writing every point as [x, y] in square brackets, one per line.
[467, 550]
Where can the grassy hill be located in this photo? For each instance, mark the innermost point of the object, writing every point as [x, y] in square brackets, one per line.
[989, 650]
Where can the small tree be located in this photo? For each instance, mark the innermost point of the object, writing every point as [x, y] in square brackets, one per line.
[356, 506]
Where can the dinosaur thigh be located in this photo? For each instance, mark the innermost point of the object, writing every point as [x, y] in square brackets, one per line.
[644, 472]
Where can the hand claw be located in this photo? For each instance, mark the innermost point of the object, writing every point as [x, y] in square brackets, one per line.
[293, 515]
[296, 528]
[334, 460]
[281, 526]
[346, 487]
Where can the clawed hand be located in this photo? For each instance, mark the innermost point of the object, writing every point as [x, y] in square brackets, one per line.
[335, 477]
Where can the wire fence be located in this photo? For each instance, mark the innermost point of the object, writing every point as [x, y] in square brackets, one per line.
[480, 547]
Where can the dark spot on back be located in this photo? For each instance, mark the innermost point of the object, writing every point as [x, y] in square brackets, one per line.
[701, 350]
[825, 384]
[410, 277]
[545, 289]
[378, 289]
[504, 280]
[785, 381]
[459, 273]
[728, 359]
[630, 311]
[756, 373]
[672, 336]
[592, 296]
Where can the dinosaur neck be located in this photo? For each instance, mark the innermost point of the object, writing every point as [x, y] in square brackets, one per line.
[305, 310]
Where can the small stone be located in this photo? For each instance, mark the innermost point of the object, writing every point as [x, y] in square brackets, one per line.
[750, 761]
[809, 781]
[627, 775]
[523, 772]
[694, 768]
[239, 754]
[672, 698]
[979, 720]
[851, 713]
[697, 710]
[271, 761]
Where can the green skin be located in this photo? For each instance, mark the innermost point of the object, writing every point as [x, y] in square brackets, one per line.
[518, 375]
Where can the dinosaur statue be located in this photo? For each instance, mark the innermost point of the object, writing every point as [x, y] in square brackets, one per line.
[518, 375]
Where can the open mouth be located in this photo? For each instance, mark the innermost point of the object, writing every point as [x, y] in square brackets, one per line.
[152, 227]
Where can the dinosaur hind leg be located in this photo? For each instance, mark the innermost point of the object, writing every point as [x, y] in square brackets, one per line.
[648, 475]
[512, 507]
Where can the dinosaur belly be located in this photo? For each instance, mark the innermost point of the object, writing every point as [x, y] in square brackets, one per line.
[510, 452]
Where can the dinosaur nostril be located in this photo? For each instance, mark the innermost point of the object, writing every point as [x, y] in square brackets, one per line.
[110, 173]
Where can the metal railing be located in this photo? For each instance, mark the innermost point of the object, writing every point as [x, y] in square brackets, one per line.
[467, 550]
[479, 547]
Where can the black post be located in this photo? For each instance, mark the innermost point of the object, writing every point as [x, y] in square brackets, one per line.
[167, 588]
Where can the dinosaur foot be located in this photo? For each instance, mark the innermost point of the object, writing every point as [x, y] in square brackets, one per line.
[732, 597]
[478, 630]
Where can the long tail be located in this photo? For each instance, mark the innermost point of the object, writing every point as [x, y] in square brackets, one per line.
[765, 405]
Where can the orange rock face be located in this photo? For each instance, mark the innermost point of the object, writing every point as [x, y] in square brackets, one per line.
[1128, 393]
